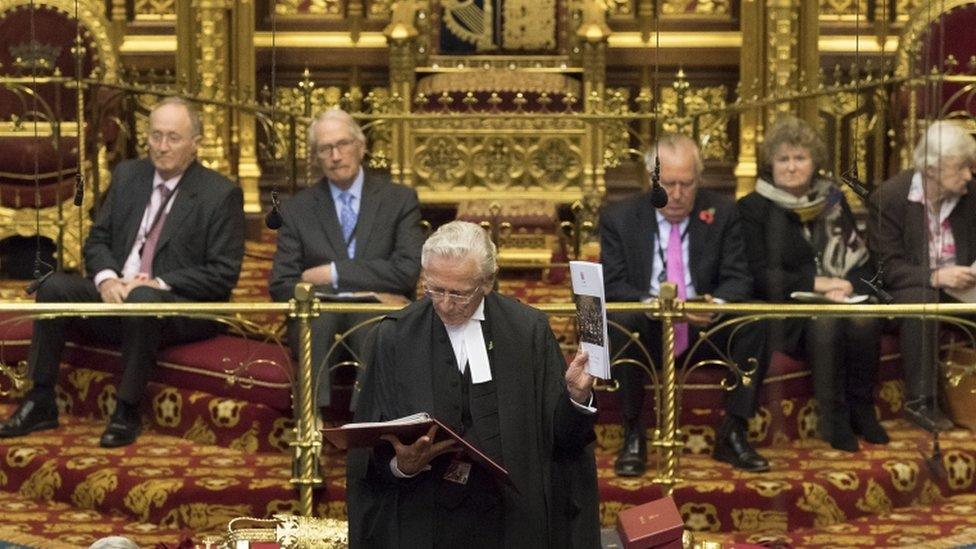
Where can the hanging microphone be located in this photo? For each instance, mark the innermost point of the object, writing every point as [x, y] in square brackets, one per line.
[35, 284]
[659, 197]
[273, 219]
[79, 188]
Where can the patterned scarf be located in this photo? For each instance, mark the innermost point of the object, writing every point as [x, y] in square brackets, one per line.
[826, 225]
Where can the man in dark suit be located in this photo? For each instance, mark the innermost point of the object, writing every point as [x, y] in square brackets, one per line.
[490, 369]
[353, 231]
[693, 241]
[170, 231]
[924, 236]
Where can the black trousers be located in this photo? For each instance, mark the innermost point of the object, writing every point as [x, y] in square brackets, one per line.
[749, 342]
[325, 327]
[843, 355]
[140, 337]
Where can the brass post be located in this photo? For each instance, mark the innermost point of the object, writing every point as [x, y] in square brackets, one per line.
[666, 433]
[308, 440]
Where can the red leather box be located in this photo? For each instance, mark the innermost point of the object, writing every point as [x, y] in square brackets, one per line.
[652, 525]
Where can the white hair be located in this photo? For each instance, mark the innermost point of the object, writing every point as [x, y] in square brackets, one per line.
[460, 240]
[944, 139]
[337, 115]
[114, 542]
[674, 142]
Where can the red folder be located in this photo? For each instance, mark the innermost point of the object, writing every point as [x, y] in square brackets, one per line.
[408, 429]
[655, 524]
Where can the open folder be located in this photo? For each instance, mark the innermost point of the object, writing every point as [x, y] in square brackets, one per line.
[408, 429]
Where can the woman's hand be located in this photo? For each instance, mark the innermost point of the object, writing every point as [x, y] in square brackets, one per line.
[828, 285]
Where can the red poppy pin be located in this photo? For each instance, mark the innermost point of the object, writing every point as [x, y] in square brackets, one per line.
[708, 216]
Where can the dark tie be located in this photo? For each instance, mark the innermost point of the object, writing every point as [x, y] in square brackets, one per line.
[676, 274]
[347, 216]
[149, 248]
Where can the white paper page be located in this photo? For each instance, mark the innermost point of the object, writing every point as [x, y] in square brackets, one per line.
[591, 314]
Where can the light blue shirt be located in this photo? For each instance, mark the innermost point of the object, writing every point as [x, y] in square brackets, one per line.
[661, 253]
[356, 190]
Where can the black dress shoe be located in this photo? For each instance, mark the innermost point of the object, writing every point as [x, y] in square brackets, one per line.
[123, 428]
[928, 416]
[842, 436]
[631, 461]
[865, 423]
[732, 447]
[30, 416]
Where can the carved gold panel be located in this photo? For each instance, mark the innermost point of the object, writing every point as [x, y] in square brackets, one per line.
[379, 9]
[843, 9]
[308, 7]
[471, 158]
[696, 7]
[155, 9]
[621, 8]
[710, 130]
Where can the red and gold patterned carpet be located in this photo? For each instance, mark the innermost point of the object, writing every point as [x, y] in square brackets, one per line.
[207, 458]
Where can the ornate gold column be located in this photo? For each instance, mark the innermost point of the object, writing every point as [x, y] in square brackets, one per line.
[244, 79]
[401, 34]
[203, 65]
[779, 57]
[593, 33]
[117, 16]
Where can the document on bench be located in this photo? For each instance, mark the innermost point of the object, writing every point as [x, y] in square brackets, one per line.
[408, 429]
[591, 315]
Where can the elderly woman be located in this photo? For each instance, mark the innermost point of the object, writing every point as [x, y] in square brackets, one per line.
[925, 236]
[801, 236]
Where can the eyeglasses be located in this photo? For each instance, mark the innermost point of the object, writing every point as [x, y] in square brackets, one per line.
[438, 294]
[343, 147]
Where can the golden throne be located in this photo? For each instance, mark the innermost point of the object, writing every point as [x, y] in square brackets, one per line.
[40, 119]
[496, 126]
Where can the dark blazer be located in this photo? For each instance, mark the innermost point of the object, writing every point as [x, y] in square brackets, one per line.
[628, 230]
[545, 442]
[201, 246]
[388, 239]
[781, 259]
[897, 236]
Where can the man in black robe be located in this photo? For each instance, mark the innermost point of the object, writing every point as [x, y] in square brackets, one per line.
[489, 368]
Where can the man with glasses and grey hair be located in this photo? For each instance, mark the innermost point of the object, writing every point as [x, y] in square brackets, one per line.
[490, 369]
[352, 231]
[924, 236]
[170, 231]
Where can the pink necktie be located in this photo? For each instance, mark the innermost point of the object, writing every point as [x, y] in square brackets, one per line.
[149, 248]
[676, 274]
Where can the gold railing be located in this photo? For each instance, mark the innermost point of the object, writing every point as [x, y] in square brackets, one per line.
[666, 436]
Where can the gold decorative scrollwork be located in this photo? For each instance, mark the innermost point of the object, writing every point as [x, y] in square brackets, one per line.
[711, 130]
[470, 23]
[498, 162]
[695, 7]
[555, 163]
[155, 9]
[617, 8]
[442, 161]
[840, 8]
[308, 7]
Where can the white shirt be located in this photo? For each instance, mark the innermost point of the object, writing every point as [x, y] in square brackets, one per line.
[468, 342]
[131, 266]
[942, 242]
[661, 253]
